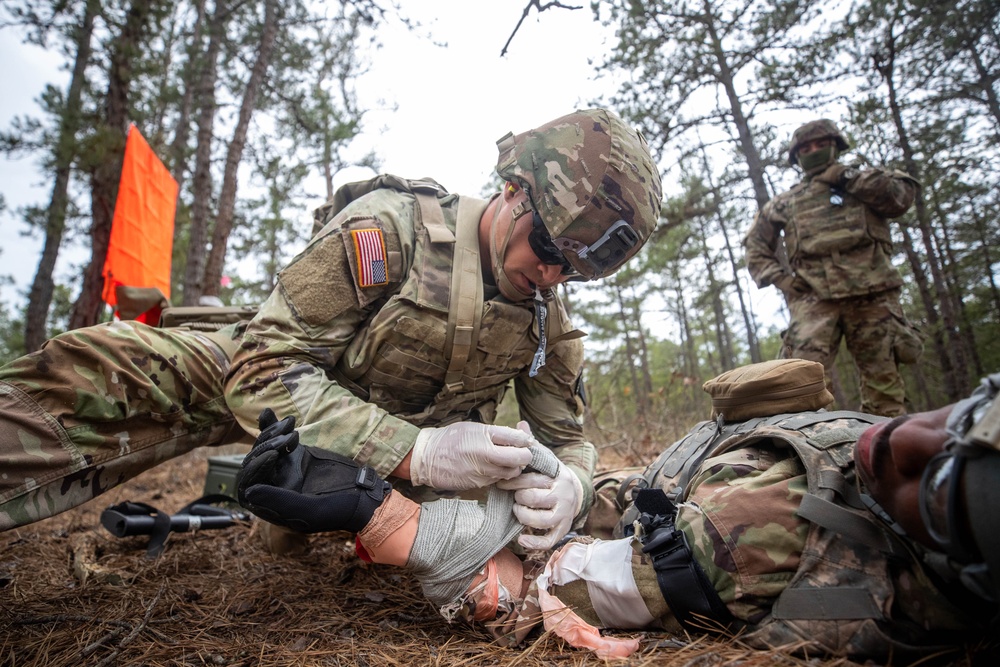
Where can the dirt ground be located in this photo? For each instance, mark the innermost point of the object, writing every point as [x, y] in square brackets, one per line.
[73, 594]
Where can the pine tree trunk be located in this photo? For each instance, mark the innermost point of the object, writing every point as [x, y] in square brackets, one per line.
[956, 376]
[105, 177]
[178, 147]
[640, 398]
[40, 296]
[987, 263]
[748, 320]
[227, 198]
[755, 166]
[201, 179]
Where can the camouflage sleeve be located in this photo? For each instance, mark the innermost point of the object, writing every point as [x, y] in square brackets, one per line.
[761, 244]
[305, 326]
[741, 523]
[551, 404]
[890, 193]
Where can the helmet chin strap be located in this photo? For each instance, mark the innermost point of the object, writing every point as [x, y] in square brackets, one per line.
[511, 293]
[497, 253]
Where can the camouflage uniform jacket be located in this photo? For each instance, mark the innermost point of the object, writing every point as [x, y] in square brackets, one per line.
[835, 232]
[800, 562]
[360, 360]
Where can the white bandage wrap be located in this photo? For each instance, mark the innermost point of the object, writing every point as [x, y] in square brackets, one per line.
[606, 566]
[454, 540]
[543, 461]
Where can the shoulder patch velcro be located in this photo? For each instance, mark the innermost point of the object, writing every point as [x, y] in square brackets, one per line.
[370, 256]
[314, 282]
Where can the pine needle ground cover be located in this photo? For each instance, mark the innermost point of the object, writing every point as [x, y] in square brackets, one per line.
[72, 594]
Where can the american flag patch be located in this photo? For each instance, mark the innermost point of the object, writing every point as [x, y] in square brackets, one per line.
[369, 248]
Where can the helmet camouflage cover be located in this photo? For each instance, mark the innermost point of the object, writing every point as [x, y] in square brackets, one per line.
[592, 181]
[817, 129]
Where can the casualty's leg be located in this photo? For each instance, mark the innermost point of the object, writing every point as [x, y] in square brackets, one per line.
[97, 406]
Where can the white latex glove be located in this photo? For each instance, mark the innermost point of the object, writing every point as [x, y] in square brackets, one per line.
[546, 504]
[468, 455]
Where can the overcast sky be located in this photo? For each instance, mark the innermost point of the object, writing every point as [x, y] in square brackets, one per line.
[452, 103]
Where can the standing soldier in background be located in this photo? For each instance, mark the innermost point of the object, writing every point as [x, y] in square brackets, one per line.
[840, 281]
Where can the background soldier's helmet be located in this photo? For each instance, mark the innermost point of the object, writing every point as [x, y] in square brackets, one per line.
[817, 129]
[592, 182]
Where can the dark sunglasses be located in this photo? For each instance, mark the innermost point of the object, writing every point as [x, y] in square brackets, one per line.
[542, 245]
[939, 502]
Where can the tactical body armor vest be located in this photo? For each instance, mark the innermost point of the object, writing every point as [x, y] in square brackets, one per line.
[842, 600]
[435, 353]
[829, 221]
[830, 232]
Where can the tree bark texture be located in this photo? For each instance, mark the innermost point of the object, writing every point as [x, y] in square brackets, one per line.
[227, 197]
[104, 178]
[201, 179]
[40, 295]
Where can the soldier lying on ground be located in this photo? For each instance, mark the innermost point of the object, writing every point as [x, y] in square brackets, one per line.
[838, 532]
[391, 339]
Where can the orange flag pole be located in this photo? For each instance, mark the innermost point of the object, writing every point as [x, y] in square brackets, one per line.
[142, 230]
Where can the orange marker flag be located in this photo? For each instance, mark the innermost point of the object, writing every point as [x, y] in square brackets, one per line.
[142, 230]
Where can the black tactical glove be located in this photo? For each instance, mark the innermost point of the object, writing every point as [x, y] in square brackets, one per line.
[304, 488]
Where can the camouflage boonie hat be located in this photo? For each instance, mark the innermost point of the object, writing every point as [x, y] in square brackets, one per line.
[817, 129]
[592, 181]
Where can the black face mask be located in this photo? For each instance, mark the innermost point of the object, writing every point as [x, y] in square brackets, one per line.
[817, 161]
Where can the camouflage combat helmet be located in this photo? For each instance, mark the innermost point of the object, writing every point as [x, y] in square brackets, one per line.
[817, 129]
[592, 182]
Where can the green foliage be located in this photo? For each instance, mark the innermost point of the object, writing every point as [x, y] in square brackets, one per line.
[913, 82]
[716, 87]
[11, 334]
[270, 229]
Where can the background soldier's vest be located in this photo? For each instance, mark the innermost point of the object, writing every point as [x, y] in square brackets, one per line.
[841, 600]
[842, 249]
[819, 228]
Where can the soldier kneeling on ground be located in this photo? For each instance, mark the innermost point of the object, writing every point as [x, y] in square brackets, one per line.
[838, 532]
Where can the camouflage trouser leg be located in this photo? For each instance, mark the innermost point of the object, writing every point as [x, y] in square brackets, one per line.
[869, 325]
[97, 406]
[814, 332]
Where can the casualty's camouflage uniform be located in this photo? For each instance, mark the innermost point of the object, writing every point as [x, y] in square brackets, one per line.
[361, 368]
[839, 249]
[742, 515]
